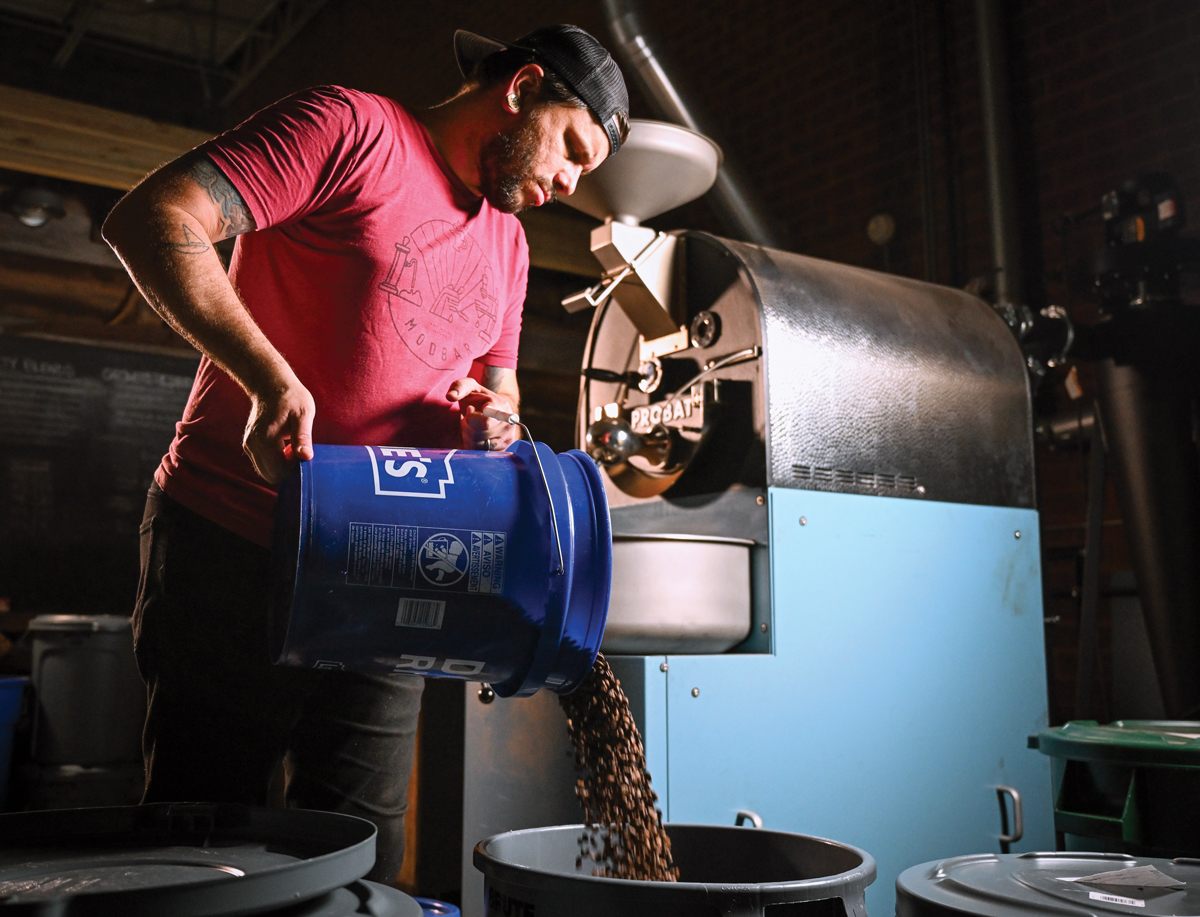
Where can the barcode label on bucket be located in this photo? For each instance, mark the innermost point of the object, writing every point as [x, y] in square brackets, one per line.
[427, 613]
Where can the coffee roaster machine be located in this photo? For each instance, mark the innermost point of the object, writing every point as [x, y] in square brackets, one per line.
[826, 601]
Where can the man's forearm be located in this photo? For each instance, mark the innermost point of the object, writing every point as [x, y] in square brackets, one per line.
[167, 250]
[164, 231]
[503, 382]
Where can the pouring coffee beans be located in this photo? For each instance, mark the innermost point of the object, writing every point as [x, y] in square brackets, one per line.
[625, 836]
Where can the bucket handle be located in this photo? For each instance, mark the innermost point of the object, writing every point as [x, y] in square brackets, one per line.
[562, 567]
[515, 420]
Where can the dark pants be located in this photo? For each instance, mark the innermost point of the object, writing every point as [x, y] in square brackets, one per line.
[221, 717]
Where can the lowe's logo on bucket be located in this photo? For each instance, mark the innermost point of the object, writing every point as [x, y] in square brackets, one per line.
[403, 472]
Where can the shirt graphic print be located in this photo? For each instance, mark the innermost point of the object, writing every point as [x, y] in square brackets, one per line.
[442, 295]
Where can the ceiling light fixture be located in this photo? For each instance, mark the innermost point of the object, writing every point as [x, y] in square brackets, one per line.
[37, 206]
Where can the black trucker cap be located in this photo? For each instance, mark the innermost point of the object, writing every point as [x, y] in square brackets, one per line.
[570, 52]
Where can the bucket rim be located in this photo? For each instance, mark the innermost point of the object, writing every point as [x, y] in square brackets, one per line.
[601, 578]
[861, 875]
[536, 463]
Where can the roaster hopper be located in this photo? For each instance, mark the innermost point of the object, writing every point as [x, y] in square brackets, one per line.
[826, 589]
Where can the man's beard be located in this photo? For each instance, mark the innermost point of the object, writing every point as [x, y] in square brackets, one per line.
[506, 165]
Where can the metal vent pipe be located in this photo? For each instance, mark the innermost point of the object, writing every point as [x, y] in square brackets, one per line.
[735, 206]
[998, 153]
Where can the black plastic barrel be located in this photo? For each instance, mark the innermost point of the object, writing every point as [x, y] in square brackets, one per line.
[734, 872]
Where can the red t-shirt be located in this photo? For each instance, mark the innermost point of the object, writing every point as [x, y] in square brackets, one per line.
[374, 271]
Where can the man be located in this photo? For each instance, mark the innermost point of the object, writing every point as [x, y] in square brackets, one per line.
[374, 297]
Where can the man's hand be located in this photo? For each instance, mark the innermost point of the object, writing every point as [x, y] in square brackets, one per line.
[479, 431]
[279, 431]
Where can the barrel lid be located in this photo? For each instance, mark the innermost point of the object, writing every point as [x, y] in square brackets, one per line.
[172, 858]
[1020, 885]
[1134, 742]
[80, 623]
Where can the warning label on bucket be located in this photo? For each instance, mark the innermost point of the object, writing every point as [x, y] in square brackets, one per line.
[487, 561]
[412, 557]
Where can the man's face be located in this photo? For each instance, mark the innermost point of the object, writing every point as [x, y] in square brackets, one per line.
[541, 156]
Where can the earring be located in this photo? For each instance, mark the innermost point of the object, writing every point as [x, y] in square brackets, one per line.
[514, 101]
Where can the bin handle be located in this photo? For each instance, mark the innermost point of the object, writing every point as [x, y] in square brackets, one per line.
[515, 420]
[745, 815]
[1018, 828]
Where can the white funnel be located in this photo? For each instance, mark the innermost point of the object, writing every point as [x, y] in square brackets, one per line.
[659, 167]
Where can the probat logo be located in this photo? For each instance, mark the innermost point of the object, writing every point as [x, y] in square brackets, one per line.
[400, 471]
[442, 295]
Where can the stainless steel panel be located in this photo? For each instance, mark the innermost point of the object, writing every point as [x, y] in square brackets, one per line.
[678, 594]
[869, 383]
[518, 772]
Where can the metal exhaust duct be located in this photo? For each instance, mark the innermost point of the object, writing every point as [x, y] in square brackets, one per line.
[998, 156]
[734, 204]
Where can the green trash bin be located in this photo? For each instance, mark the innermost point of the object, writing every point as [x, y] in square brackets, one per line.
[1132, 786]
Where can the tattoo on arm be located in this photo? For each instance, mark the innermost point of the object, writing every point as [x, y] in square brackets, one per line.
[499, 377]
[235, 216]
[193, 243]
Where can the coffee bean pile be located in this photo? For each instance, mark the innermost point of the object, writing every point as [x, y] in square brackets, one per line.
[625, 836]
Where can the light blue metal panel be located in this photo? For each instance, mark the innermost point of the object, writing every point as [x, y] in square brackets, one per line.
[908, 670]
[654, 730]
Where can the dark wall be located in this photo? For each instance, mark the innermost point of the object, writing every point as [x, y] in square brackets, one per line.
[400, 49]
[816, 102]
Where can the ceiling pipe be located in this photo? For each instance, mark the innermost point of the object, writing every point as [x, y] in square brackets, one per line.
[738, 211]
[998, 158]
[925, 143]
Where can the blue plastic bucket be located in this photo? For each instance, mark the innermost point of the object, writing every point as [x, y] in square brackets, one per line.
[443, 563]
[12, 690]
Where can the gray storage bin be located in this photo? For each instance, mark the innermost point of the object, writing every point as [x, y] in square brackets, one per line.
[90, 701]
